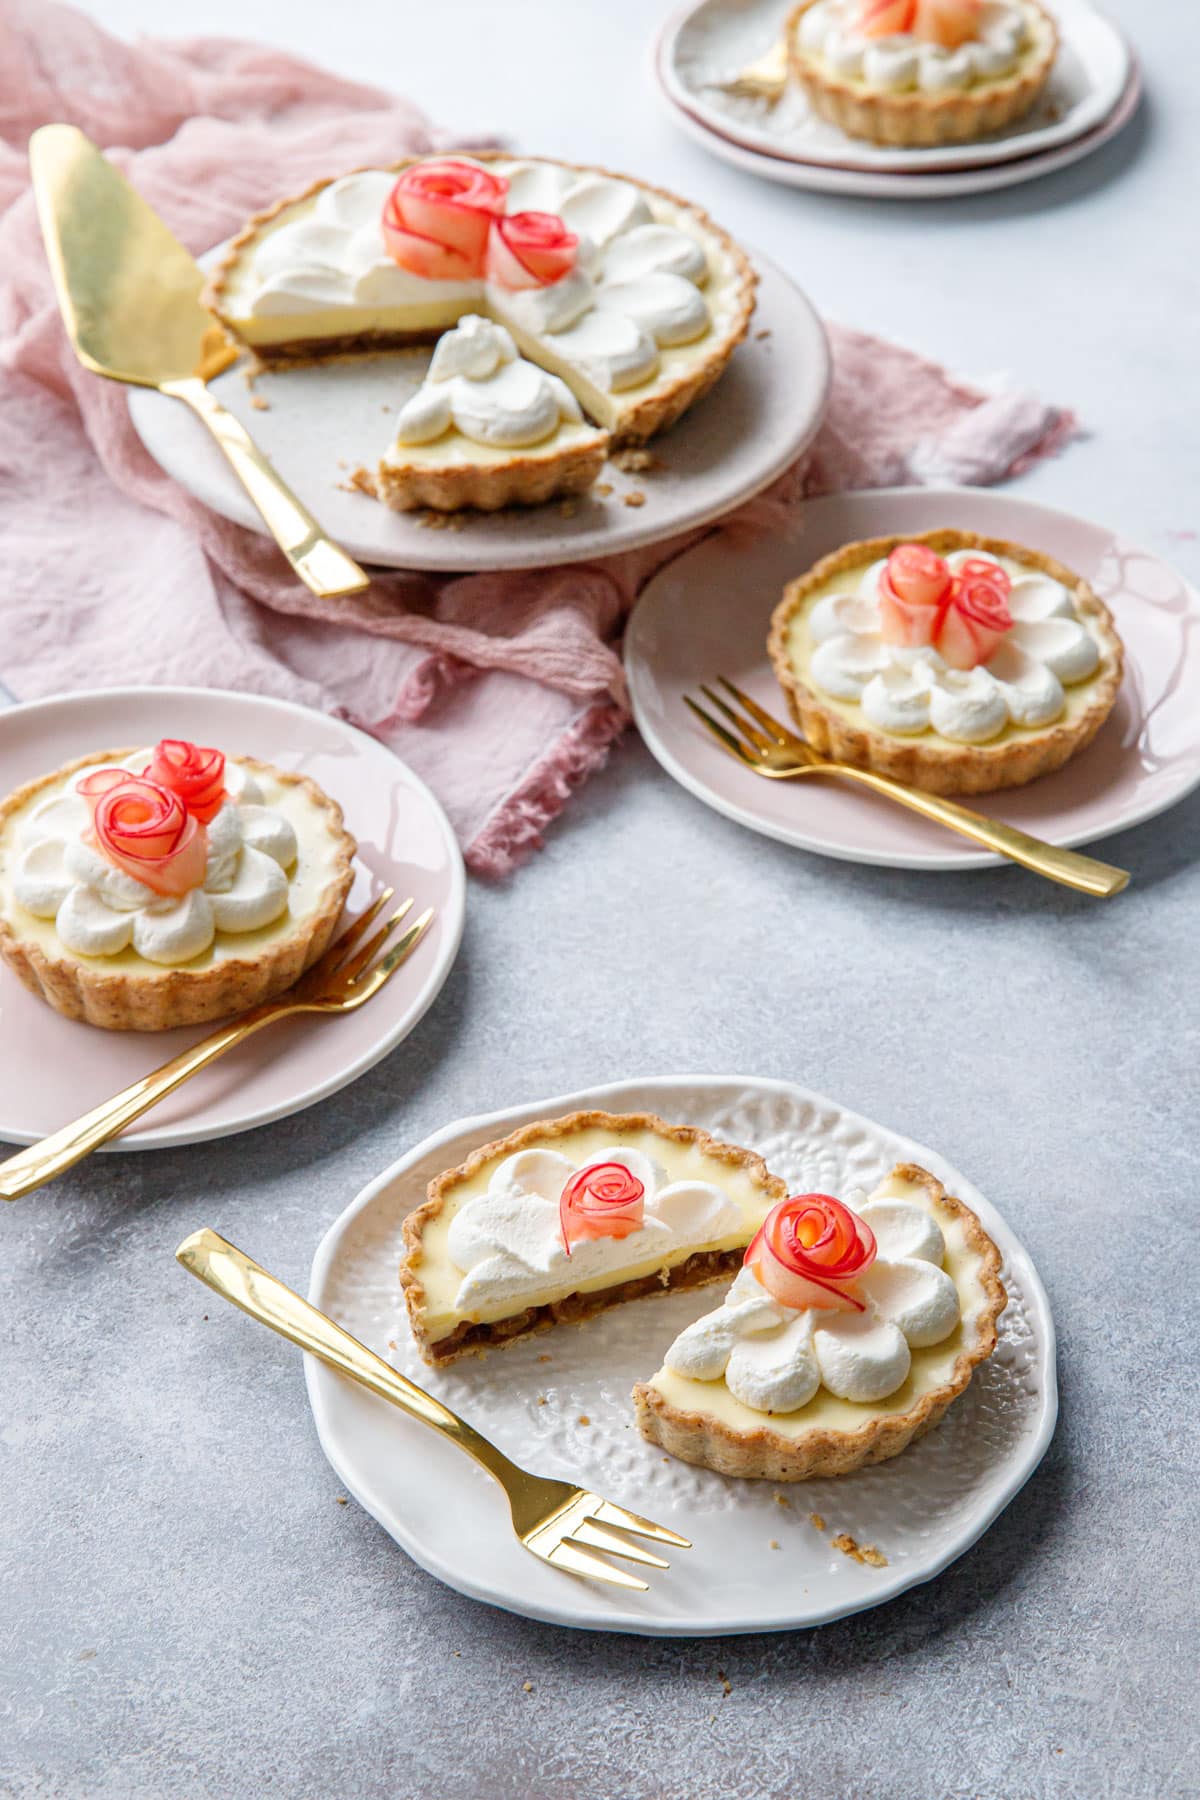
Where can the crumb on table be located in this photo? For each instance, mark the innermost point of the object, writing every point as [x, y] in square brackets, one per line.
[774, 1544]
[583, 1419]
[817, 1521]
[725, 1682]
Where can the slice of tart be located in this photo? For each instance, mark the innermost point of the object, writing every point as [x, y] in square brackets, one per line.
[487, 429]
[957, 663]
[144, 889]
[567, 1216]
[921, 72]
[629, 295]
[848, 1332]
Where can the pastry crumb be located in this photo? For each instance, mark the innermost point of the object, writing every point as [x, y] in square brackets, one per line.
[568, 509]
[774, 1544]
[360, 481]
[603, 488]
[260, 403]
[583, 1419]
[341, 1500]
[762, 335]
[527, 1687]
[817, 1521]
[541, 1400]
[391, 1343]
[863, 1553]
[782, 1500]
[634, 497]
[726, 1684]
[545, 1357]
[634, 460]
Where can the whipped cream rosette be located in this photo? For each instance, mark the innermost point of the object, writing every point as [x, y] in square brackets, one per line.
[226, 875]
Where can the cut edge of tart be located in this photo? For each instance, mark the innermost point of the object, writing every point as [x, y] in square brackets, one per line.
[159, 998]
[632, 421]
[567, 463]
[694, 1269]
[763, 1453]
[919, 120]
[934, 763]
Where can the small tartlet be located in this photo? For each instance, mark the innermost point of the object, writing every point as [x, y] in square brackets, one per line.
[757, 1449]
[918, 120]
[940, 766]
[92, 990]
[470, 1336]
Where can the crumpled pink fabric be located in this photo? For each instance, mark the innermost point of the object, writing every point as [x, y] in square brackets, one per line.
[503, 691]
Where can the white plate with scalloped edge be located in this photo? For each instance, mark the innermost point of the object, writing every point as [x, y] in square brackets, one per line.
[559, 1402]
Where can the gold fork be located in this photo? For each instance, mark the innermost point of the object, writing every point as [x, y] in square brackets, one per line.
[765, 78]
[562, 1524]
[339, 982]
[772, 749]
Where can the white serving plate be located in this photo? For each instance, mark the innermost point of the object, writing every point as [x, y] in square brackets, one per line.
[684, 631]
[705, 43]
[324, 419]
[922, 1509]
[53, 1069]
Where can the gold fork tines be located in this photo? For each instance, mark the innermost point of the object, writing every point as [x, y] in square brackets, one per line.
[764, 78]
[340, 981]
[565, 1526]
[768, 747]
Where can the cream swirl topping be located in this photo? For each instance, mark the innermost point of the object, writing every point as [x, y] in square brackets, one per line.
[508, 1242]
[477, 383]
[100, 910]
[904, 61]
[906, 691]
[774, 1358]
[635, 289]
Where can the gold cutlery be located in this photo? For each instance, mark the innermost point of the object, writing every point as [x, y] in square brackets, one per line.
[765, 78]
[772, 749]
[130, 299]
[340, 981]
[561, 1524]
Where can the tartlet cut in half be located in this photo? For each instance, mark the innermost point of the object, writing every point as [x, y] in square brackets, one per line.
[145, 889]
[599, 309]
[568, 1216]
[919, 73]
[848, 1332]
[956, 663]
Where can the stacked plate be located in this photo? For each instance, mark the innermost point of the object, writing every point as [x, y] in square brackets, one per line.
[1093, 91]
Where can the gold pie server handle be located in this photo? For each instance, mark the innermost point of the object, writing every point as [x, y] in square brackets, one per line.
[323, 568]
[1067, 867]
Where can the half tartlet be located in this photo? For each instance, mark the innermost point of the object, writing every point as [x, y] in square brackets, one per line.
[848, 1332]
[954, 662]
[568, 1216]
[144, 889]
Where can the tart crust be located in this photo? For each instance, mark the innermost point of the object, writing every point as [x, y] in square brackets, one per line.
[916, 120]
[160, 999]
[767, 1455]
[524, 479]
[703, 1266]
[930, 762]
[641, 421]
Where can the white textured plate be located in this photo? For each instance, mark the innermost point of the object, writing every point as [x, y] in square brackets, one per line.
[52, 1069]
[922, 1509]
[323, 419]
[879, 184]
[684, 631]
[706, 43]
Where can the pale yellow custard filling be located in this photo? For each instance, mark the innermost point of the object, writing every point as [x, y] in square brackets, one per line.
[454, 449]
[441, 1278]
[931, 1368]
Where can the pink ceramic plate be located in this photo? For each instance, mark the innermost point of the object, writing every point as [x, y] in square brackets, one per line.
[708, 613]
[52, 1069]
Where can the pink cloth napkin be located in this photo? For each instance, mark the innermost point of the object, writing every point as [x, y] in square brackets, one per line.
[503, 691]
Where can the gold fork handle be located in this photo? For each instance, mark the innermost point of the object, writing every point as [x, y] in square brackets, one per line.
[316, 559]
[246, 1284]
[1066, 866]
[33, 1167]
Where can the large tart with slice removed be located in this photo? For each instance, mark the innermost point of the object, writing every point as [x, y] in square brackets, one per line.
[954, 662]
[567, 1216]
[144, 889]
[848, 1332]
[630, 298]
[918, 73]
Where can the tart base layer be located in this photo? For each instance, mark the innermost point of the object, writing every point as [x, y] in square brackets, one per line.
[763, 1454]
[523, 479]
[936, 764]
[917, 120]
[161, 999]
[471, 1337]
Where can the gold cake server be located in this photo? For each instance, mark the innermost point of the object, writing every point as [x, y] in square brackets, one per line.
[130, 299]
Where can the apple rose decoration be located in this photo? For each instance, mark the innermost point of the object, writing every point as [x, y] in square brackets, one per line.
[437, 218]
[530, 250]
[601, 1200]
[977, 615]
[945, 22]
[810, 1250]
[195, 774]
[146, 830]
[924, 604]
[913, 590]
